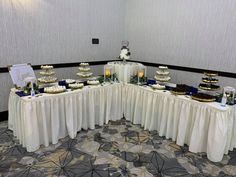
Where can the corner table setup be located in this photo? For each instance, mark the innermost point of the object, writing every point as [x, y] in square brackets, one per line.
[45, 118]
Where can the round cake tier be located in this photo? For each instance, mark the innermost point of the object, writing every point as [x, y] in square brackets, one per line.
[209, 87]
[47, 73]
[47, 79]
[210, 80]
[209, 74]
[84, 74]
[84, 64]
[84, 69]
[160, 72]
[46, 67]
[203, 97]
[162, 79]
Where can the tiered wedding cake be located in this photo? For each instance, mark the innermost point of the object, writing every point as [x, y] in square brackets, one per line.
[84, 71]
[162, 74]
[47, 74]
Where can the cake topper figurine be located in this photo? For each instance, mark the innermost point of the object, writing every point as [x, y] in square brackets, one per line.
[125, 53]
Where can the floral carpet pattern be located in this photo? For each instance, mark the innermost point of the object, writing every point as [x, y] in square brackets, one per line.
[118, 149]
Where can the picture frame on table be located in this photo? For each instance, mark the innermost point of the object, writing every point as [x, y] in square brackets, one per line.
[19, 72]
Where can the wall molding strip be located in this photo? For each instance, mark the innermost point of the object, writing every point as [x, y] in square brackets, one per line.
[174, 67]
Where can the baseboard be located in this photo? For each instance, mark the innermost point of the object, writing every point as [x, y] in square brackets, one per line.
[3, 116]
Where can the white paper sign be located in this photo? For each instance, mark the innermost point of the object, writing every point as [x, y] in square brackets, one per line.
[19, 72]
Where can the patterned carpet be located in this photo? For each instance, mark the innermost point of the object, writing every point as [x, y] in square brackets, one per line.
[117, 149]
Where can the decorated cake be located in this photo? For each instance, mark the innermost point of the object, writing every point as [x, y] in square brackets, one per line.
[209, 82]
[76, 85]
[84, 71]
[162, 74]
[55, 89]
[47, 74]
[158, 86]
[93, 82]
[181, 89]
[203, 97]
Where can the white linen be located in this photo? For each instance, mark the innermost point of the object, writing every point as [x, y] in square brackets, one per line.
[125, 71]
[45, 119]
[205, 127]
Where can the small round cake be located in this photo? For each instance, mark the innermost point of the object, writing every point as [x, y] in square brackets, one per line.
[76, 85]
[93, 82]
[46, 67]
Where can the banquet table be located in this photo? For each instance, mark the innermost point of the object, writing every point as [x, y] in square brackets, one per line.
[205, 127]
[126, 70]
[45, 119]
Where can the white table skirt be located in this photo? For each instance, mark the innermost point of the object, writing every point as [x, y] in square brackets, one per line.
[205, 127]
[46, 119]
[125, 71]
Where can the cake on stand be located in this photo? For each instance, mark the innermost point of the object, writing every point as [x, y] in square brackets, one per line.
[47, 74]
[162, 75]
[84, 71]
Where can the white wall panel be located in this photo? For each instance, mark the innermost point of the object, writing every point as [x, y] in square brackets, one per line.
[59, 31]
[193, 33]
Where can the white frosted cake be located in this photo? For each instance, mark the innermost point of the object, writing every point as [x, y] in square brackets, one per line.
[47, 74]
[162, 74]
[84, 71]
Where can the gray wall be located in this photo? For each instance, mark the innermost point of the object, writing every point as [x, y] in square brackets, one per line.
[193, 33]
[58, 31]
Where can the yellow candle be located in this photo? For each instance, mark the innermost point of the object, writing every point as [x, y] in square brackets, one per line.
[140, 74]
[108, 72]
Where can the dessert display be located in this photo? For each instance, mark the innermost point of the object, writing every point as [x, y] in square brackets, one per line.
[203, 97]
[84, 71]
[93, 82]
[209, 82]
[47, 75]
[158, 87]
[76, 85]
[162, 74]
[55, 89]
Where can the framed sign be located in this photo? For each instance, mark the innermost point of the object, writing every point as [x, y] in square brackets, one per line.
[19, 72]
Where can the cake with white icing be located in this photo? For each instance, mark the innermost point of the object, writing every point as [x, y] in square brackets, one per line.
[162, 74]
[84, 70]
[47, 74]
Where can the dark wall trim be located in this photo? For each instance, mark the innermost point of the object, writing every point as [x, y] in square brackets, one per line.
[189, 69]
[3, 116]
[174, 67]
[62, 65]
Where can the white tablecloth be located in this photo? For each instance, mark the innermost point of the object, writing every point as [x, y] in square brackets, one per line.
[205, 127]
[46, 119]
[125, 71]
